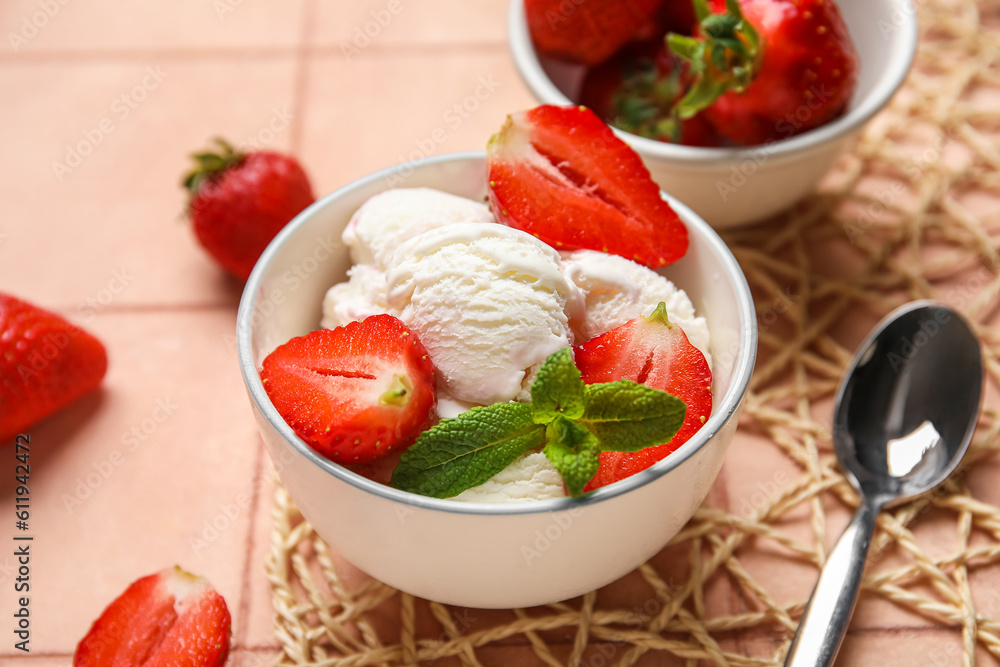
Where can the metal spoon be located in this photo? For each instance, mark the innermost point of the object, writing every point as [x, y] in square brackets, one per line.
[904, 416]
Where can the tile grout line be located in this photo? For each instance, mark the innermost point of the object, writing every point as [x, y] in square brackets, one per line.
[246, 588]
[299, 83]
[76, 56]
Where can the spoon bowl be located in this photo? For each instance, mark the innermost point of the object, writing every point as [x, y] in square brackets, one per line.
[904, 417]
[908, 406]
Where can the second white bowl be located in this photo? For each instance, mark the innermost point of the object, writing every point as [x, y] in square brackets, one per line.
[737, 186]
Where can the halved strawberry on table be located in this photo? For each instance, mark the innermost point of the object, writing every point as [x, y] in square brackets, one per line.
[46, 363]
[655, 352]
[561, 174]
[354, 393]
[168, 619]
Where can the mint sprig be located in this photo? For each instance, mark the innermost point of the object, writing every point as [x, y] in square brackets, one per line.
[575, 423]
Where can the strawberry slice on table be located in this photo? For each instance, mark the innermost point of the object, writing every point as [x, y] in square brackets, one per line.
[768, 69]
[239, 201]
[46, 363]
[655, 352]
[561, 174]
[586, 31]
[168, 619]
[354, 393]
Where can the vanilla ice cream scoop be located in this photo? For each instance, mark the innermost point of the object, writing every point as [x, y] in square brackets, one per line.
[362, 295]
[392, 217]
[487, 301]
[529, 478]
[613, 290]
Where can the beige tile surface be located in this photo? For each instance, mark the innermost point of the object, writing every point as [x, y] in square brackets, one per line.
[47, 26]
[141, 476]
[105, 230]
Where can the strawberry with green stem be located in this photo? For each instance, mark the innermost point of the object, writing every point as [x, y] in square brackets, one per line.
[764, 70]
[239, 201]
[636, 90]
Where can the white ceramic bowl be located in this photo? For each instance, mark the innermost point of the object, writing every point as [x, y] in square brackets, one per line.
[736, 186]
[481, 555]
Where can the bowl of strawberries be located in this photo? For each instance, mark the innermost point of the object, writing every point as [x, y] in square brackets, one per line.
[500, 378]
[738, 107]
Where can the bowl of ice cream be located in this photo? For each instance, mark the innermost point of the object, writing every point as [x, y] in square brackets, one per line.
[476, 553]
[731, 186]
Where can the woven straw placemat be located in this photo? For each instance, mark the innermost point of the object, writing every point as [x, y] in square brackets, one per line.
[912, 212]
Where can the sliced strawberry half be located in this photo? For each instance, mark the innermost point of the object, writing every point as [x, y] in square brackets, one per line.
[356, 392]
[171, 618]
[561, 174]
[655, 352]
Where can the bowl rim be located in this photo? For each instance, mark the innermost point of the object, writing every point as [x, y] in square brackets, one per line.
[721, 415]
[903, 51]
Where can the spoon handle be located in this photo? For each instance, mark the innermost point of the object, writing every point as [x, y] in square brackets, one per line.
[828, 612]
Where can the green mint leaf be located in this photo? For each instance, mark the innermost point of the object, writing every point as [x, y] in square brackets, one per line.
[558, 389]
[460, 453]
[627, 416]
[573, 450]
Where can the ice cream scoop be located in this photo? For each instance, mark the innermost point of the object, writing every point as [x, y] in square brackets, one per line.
[487, 301]
[392, 217]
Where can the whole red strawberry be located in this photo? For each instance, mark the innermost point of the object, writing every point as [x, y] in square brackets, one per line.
[636, 90]
[354, 393]
[561, 174]
[655, 352]
[587, 31]
[240, 201]
[46, 363]
[168, 619]
[768, 69]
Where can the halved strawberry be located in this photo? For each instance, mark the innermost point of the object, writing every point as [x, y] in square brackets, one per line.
[356, 392]
[168, 619]
[561, 174]
[655, 352]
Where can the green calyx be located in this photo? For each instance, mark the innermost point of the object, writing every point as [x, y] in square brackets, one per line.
[644, 103]
[572, 422]
[727, 56]
[398, 393]
[209, 164]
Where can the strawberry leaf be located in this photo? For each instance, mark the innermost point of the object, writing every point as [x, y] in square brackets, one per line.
[460, 453]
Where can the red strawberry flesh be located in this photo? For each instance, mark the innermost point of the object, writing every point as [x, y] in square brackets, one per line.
[561, 174]
[46, 363]
[171, 618]
[354, 393]
[655, 352]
